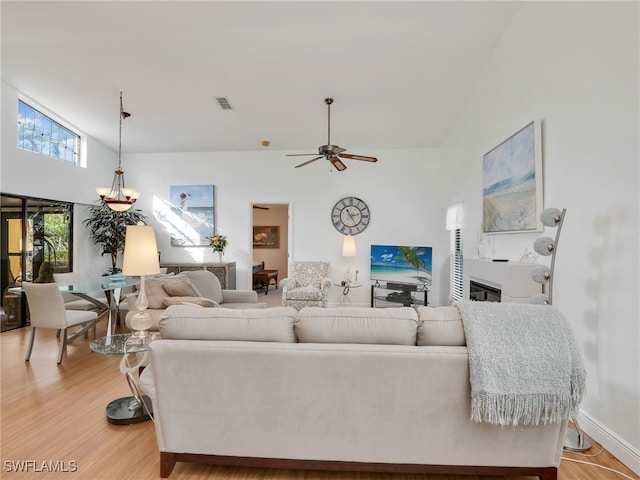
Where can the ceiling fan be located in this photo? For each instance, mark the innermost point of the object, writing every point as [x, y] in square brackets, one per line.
[333, 153]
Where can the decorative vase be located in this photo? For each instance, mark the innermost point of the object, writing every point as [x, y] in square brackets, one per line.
[219, 257]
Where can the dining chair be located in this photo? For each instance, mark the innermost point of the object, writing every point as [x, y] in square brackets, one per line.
[72, 302]
[47, 310]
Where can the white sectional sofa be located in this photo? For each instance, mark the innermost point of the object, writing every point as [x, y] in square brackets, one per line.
[191, 286]
[364, 389]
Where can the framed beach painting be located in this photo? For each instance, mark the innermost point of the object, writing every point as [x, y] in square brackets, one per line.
[192, 215]
[512, 183]
[266, 237]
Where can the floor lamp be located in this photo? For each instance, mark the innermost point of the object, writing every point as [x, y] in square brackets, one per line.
[140, 258]
[575, 440]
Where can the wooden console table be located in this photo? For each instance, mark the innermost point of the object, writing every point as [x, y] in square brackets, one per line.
[226, 271]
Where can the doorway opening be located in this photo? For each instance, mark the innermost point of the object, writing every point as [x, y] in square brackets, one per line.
[271, 242]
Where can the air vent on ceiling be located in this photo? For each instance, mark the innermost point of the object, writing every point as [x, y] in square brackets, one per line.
[224, 103]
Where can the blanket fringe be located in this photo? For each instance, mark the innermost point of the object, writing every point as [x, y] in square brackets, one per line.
[527, 409]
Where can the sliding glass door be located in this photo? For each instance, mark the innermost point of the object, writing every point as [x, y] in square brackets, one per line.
[35, 242]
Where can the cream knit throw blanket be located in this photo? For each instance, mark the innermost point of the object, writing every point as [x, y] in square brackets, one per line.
[524, 364]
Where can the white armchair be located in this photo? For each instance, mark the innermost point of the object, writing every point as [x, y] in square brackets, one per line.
[306, 286]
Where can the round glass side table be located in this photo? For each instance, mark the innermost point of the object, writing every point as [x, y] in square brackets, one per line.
[344, 298]
[135, 408]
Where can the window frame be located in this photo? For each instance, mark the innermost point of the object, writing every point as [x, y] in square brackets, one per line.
[45, 131]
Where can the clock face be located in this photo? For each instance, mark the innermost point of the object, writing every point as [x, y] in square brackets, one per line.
[350, 216]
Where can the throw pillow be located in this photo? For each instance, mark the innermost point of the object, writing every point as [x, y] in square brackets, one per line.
[184, 300]
[183, 288]
[155, 292]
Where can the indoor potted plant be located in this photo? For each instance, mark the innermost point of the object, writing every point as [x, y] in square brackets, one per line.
[107, 228]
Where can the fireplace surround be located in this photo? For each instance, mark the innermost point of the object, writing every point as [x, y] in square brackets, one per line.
[499, 281]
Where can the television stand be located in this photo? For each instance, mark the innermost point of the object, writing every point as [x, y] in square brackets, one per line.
[385, 295]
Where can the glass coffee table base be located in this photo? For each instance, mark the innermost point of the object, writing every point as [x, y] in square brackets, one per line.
[128, 410]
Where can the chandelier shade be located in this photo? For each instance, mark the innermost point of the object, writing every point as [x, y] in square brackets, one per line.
[118, 197]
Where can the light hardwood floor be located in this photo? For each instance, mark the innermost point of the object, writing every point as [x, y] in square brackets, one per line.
[54, 416]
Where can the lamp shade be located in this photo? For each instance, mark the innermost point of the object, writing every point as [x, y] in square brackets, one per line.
[140, 251]
[349, 246]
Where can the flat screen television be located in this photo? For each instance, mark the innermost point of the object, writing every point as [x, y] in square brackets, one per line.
[401, 264]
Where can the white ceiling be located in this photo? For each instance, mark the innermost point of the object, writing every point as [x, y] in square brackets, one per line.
[399, 71]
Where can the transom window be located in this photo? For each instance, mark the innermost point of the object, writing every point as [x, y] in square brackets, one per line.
[41, 134]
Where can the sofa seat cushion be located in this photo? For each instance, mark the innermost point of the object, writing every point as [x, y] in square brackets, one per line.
[388, 326]
[440, 326]
[201, 301]
[305, 293]
[185, 322]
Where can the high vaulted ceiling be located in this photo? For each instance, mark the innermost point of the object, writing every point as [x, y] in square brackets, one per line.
[399, 71]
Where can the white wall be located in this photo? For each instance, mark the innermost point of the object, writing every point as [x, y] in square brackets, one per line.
[28, 174]
[402, 191]
[574, 66]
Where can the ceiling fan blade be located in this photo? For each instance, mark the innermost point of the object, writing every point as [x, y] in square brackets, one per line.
[359, 157]
[260, 207]
[338, 164]
[299, 154]
[309, 161]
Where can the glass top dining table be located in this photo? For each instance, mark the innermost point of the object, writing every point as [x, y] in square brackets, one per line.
[112, 289]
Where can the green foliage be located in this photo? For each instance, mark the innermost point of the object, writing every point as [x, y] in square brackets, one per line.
[107, 229]
[411, 256]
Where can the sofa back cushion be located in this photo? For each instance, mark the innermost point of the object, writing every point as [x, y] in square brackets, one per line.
[387, 326]
[181, 289]
[206, 283]
[186, 322]
[440, 326]
[154, 288]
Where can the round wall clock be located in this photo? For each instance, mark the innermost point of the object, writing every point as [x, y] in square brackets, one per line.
[350, 216]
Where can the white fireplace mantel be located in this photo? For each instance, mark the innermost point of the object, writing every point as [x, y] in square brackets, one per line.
[512, 278]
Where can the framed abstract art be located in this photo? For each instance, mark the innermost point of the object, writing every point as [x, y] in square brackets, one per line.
[512, 183]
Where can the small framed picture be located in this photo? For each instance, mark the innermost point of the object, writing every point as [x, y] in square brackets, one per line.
[266, 237]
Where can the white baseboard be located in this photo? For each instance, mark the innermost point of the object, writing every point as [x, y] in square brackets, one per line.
[618, 447]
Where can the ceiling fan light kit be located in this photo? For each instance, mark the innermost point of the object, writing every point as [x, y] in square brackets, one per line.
[333, 153]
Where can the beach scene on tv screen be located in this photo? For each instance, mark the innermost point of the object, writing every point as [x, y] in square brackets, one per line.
[401, 264]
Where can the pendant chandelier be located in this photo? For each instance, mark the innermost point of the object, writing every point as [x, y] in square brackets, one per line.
[118, 197]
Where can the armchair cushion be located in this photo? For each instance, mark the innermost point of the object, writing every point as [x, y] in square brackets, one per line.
[305, 293]
[310, 274]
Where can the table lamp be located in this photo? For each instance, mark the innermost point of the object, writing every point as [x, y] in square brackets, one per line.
[348, 250]
[140, 258]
